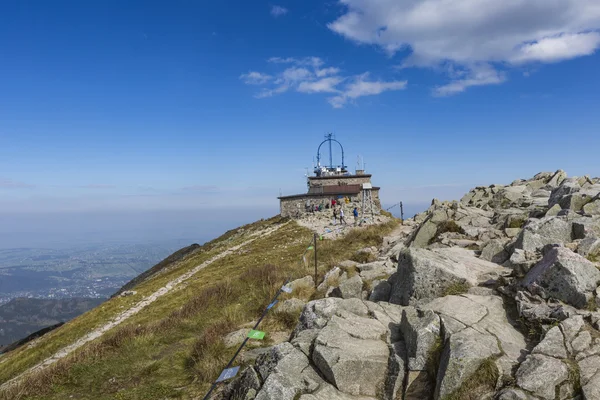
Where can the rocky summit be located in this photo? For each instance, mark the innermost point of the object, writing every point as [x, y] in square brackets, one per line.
[490, 297]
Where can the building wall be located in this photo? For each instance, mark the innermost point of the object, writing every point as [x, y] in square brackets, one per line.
[353, 180]
[296, 207]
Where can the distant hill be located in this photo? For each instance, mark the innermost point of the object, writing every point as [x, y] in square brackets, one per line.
[21, 317]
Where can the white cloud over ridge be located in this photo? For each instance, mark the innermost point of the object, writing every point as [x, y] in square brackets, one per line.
[480, 36]
[309, 75]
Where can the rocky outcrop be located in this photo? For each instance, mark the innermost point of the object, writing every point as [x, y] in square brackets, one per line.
[492, 297]
[427, 274]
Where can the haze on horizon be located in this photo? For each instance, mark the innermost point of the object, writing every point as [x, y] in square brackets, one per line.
[151, 120]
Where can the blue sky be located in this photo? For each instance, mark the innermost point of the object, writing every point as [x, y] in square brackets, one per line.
[185, 105]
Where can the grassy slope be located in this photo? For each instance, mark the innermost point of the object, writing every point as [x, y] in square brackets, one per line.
[173, 348]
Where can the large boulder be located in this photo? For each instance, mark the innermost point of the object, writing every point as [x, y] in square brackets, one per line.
[427, 274]
[350, 288]
[494, 251]
[424, 234]
[563, 275]
[351, 355]
[548, 230]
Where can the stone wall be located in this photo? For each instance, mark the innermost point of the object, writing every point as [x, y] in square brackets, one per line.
[339, 180]
[295, 207]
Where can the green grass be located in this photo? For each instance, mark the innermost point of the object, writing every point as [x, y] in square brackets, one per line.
[173, 348]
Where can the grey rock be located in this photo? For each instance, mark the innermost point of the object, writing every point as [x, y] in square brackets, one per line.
[317, 313]
[586, 227]
[351, 288]
[397, 368]
[244, 387]
[548, 230]
[494, 251]
[331, 277]
[591, 390]
[592, 208]
[571, 326]
[563, 275]
[303, 341]
[574, 201]
[381, 291]
[541, 375]
[426, 274]
[589, 246]
[581, 342]
[379, 272]
[356, 365]
[553, 211]
[514, 394]
[235, 338]
[307, 281]
[292, 305]
[328, 392]
[418, 386]
[348, 264]
[462, 356]
[421, 331]
[552, 345]
[512, 232]
[424, 234]
[588, 367]
[291, 376]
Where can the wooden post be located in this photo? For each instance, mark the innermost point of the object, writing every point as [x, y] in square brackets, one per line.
[401, 212]
[315, 240]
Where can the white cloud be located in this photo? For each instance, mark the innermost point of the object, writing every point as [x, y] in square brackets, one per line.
[314, 62]
[476, 75]
[327, 71]
[309, 75]
[559, 48]
[255, 78]
[325, 85]
[362, 87]
[296, 74]
[278, 11]
[474, 32]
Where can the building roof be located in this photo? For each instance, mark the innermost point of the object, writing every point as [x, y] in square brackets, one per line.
[329, 195]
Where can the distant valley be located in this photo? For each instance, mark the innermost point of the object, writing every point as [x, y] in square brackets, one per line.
[92, 271]
[21, 317]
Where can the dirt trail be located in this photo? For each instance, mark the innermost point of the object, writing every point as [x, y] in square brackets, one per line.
[96, 333]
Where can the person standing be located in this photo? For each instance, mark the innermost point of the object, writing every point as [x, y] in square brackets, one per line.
[334, 215]
[342, 220]
[355, 213]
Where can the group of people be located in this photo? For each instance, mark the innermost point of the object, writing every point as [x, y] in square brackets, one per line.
[337, 206]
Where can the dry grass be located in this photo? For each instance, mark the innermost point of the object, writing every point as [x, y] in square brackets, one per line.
[481, 382]
[456, 288]
[208, 353]
[160, 348]
[446, 226]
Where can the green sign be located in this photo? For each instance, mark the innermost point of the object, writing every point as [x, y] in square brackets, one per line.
[256, 334]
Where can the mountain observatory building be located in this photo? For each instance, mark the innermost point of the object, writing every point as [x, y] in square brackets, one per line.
[330, 183]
